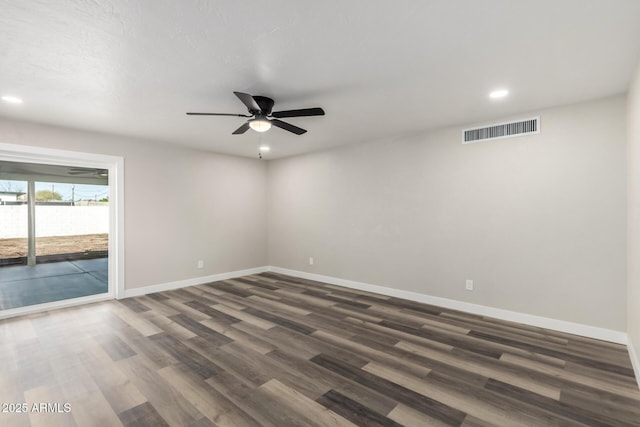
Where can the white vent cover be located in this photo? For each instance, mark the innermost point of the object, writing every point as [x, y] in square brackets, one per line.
[501, 130]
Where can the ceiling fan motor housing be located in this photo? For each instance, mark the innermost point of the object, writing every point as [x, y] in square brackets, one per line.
[265, 104]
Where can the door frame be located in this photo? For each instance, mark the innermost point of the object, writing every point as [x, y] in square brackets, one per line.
[115, 166]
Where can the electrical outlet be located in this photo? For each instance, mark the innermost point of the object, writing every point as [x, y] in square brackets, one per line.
[310, 260]
[200, 264]
[469, 285]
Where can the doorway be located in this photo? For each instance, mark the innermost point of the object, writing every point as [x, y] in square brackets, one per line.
[60, 229]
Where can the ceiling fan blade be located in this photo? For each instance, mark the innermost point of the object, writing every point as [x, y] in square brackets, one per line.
[81, 171]
[242, 129]
[248, 100]
[287, 126]
[102, 173]
[299, 113]
[217, 114]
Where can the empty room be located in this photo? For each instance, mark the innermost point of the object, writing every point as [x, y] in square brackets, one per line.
[416, 213]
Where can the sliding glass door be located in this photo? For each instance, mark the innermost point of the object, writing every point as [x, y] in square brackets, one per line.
[54, 237]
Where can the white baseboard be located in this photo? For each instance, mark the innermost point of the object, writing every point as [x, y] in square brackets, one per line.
[617, 337]
[47, 306]
[635, 361]
[134, 292]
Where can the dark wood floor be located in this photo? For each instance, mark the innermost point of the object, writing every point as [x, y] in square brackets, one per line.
[273, 350]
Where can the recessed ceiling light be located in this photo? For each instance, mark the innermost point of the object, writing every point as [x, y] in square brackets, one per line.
[12, 99]
[264, 148]
[500, 93]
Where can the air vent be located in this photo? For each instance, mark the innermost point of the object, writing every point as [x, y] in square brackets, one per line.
[501, 130]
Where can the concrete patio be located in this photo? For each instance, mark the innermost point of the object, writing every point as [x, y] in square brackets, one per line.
[22, 286]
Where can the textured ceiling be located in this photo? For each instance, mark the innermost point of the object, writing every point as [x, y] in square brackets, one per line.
[378, 68]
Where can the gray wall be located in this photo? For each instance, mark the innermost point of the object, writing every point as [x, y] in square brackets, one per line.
[538, 222]
[633, 214]
[181, 205]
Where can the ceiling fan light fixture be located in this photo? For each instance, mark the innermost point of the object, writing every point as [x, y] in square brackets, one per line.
[260, 124]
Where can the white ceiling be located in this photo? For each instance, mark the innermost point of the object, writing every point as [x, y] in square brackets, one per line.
[378, 68]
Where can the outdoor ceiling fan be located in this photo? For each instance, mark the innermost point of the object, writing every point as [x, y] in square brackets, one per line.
[88, 172]
[261, 118]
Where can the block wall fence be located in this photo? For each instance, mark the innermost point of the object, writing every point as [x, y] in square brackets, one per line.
[54, 221]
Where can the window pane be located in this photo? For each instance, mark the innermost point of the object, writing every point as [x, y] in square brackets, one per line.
[72, 221]
[13, 222]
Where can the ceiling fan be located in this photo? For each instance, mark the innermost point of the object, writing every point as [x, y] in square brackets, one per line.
[88, 172]
[261, 118]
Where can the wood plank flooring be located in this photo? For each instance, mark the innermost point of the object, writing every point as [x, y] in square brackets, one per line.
[280, 351]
